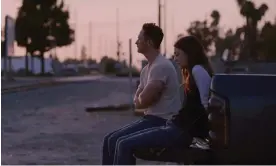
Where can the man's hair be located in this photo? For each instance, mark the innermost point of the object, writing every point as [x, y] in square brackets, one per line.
[154, 33]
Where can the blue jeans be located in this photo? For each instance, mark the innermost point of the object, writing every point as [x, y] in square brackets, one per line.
[110, 140]
[165, 136]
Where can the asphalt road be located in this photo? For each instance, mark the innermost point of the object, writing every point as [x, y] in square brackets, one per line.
[49, 125]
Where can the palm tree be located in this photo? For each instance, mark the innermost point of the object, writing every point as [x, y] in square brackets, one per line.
[252, 15]
[214, 30]
[216, 17]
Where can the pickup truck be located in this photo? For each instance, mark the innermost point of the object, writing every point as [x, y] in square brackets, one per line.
[242, 117]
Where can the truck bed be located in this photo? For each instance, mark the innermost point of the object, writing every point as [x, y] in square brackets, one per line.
[252, 109]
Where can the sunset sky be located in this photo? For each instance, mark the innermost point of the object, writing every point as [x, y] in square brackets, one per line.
[132, 14]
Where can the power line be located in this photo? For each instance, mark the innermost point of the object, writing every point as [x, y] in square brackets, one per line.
[111, 24]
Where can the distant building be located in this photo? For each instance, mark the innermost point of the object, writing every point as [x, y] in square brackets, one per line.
[18, 63]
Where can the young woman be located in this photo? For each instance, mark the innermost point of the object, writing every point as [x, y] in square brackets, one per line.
[191, 120]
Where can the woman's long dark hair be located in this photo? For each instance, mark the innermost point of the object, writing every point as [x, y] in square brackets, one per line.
[196, 56]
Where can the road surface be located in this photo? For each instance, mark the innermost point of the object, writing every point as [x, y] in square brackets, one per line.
[49, 125]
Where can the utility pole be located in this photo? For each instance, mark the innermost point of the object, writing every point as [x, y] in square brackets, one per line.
[130, 73]
[76, 45]
[165, 27]
[100, 45]
[9, 34]
[90, 39]
[117, 35]
[159, 13]
[173, 31]
[159, 19]
[6, 56]
[105, 46]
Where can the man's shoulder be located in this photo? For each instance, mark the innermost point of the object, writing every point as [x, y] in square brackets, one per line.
[164, 69]
[145, 68]
[163, 63]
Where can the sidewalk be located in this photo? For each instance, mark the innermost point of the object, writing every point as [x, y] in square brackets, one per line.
[22, 84]
[28, 83]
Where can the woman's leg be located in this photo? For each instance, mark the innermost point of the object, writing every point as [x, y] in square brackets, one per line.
[111, 139]
[165, 136]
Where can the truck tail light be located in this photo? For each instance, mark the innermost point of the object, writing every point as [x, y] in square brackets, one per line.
[219, 121]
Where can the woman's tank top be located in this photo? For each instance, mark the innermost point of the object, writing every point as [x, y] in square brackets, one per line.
[193, 116]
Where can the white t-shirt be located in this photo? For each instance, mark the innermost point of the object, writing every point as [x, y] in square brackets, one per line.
[162, 69]
[203, 81]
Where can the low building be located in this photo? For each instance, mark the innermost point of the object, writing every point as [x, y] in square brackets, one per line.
[18, 63]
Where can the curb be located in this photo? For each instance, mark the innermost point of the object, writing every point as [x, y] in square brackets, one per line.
[119, 107]
[38, 85]
[29, 87]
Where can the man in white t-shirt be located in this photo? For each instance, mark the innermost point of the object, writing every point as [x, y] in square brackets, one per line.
[159, 88]
[158, 92]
